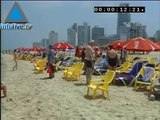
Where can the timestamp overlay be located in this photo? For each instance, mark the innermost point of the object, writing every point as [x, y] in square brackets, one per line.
[114, 9]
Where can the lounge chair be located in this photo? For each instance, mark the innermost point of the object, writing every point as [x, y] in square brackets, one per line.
[74, 74]
[145, 77]
[39, 67]
[127, 77]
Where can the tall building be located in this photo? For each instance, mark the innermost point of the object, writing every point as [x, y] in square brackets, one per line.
[53, 37]
[43, 42]
[123, 17]
[71, 36]
[138, 30]
[48, 42]
[37, 44]
[157, 35]
[74, 27]
[112, 38]
[83, 33]
[97, 33]
[124, 32]
[132, 30]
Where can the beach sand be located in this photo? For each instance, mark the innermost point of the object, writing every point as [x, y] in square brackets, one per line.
[31, 97]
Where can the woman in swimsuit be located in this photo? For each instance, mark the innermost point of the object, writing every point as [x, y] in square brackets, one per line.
[112, 58]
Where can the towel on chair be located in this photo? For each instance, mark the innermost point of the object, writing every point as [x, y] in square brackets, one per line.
[148, 73]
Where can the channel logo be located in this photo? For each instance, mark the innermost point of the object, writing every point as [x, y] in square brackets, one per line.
[16, 20]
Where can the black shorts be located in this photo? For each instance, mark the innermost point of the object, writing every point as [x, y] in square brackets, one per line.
[88, 63]
[113, 62]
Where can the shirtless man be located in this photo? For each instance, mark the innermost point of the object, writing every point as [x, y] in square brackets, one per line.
[89, 61]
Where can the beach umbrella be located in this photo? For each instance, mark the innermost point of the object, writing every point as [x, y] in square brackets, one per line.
[38, 49]
[158, 43]
[23, 49]
[140, 44]
[117, 45]
[63, 46]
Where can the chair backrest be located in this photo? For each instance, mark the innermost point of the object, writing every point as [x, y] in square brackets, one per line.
[109, 76]
[158, 67]
[57, 65]
[125, 66]
[152, 61]
[79, 66]
[41, 63]
[145, 74]
[130, 59]
[136, 68]
[75, 65]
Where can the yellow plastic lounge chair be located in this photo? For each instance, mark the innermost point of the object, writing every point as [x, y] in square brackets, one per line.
[124, 68]
[157, 68]
[152, 61]
[66, 69]
[101, 85]
[57, 65]
[74, 74]
[139, 80]
[130, 59]
[40, 66]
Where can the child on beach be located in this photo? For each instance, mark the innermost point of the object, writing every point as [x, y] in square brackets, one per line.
[50, 62]
[4, 90]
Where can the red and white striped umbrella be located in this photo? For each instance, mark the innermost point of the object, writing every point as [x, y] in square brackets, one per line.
[117, 45]
[63, 45]
[158, 43]
[23, 49]
[38, 49]
[141, 44]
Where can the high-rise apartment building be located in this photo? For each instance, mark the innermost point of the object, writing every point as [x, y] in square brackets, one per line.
[157, 35]
[48, 42]
[71, 36]
[97, 33]
[132, 30]
[122, 18]
[43, 42]
[53, 37]
[37, 44]
[83, 33]
[138, 30]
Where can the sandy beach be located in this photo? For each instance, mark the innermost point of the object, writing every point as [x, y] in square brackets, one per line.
[32, 97]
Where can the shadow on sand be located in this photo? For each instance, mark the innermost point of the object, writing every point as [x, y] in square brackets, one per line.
[97, 97]
[45, 78]
[80, 84]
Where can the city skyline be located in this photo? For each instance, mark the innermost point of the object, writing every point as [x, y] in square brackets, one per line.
[59, 16]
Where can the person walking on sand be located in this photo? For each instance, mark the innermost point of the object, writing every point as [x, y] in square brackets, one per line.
[50, 62]
[89, 61]
[15, 60]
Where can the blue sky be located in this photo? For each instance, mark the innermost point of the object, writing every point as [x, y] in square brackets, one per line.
[60, 15]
